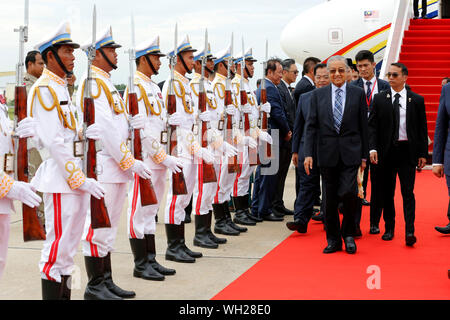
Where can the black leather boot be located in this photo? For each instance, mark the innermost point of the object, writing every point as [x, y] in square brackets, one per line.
[211, 235]
[96, 288]
[201, 238]
[142, 268]
[66, 284]
[240, 217]
[247, 210]
[229, 221]
[151, 256]
[51, 290]
[182, 240]
[220, 225]
[174, 250]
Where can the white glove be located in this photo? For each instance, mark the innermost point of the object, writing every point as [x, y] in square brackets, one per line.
[173, 163]
[175, 119]
[229, 150]
[205, 116]
[247, 108]
[25, 193]
[138, 121]
[141, 169]
[92, 187]
[264, 136]
[206, 155]
[231, 110]
[26, 128]
[266, 107]
[249, 141]
[94, 132]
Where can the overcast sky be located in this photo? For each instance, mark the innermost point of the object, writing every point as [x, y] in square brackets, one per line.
[253, 20]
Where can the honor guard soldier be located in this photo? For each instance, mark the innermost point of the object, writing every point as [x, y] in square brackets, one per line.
[115, 167]
[153, 124]
[187, 148]
[66, 190]
[11, 189]
[204, 192]
[224, 224]
[240, 193]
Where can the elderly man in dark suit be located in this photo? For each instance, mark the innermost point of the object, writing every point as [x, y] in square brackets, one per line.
[266, 175]
[310, 184]
[365, 62]
[290, 73]
[337, 126]
[398, 143]
[441, 148]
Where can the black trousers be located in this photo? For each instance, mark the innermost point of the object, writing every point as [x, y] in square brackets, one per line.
[398, 163]
[304, 202]
[284, 162]
[340, 185]
[416, 8]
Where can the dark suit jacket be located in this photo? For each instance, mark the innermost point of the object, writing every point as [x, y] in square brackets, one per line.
[351, 144]
[381, 126]
[382, 85]
[288, 103]
[277, 119]
[299, 133]
[441, 147]
[303, 86]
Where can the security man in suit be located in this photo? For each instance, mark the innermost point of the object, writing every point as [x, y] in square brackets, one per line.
[441, 150]
[365, 62]
[337, 125]
[398, 144]
[306, 83]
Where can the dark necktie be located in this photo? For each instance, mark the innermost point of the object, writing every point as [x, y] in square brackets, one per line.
[337, 112]
[369, 92]
[396, 105]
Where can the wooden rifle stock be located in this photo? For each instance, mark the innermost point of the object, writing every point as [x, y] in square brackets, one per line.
[252, 152]
[233, 165]
[264, 123]
[32, 228]
[209, 173]
[178, 181]
[148, 195]
[99, 213]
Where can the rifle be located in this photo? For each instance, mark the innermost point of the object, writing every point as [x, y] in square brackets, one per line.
[233, 165]
[32, 228]
[99, 213]
[209, 173]
[263, 99]
[252, 153]
[148, 195]
[178, 181]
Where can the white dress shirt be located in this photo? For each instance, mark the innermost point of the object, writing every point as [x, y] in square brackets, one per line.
[343, 94]
[402, 135]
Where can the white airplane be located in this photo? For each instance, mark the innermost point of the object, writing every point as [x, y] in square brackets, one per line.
[343, 27]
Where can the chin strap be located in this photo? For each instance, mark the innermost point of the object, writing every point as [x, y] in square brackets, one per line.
[106, 58]
[151, 65]
[61, 64]
[248, 72]
[184, 64]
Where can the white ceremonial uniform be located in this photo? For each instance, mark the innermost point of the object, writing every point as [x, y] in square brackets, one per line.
[225, 183]
[6, 182]
[59, 176]
[113, 161]
[187, 146]
[141, 220]
[204, 193]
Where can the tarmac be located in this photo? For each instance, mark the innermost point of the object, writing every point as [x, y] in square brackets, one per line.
[201, 280]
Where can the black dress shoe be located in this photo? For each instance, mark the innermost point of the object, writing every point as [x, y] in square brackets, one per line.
[318, 217]
[444, 230]
[297, 225]
[410, 239]
[277, 212]
[272, 217]
[333, 247]
[286, 211]
[374, 229]
[365, 202]
[254, 218]
[388, 235]
[350, 245]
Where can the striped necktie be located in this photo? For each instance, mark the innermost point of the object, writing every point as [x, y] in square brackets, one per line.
[337, 111]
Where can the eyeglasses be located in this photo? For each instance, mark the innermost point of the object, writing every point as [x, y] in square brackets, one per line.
[340, 70]
[293, 71]
[392, 74]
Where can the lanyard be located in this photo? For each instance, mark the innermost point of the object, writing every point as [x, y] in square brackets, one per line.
[369, 100]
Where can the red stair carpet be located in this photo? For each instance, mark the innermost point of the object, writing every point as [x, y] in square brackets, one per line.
[426, 53]
[380, 270]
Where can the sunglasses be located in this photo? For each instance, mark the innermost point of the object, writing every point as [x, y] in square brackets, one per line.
[392, 74]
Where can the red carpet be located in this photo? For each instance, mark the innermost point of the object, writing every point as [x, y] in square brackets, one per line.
[426, 53]
[298, 270]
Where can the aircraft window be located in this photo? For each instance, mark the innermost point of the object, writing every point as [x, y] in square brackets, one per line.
[335, 36]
